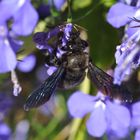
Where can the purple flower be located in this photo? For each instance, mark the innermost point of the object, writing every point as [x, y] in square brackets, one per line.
[24, 15]
[135, 123]
[120, 13]
[62, 34]
[127, 54]
[66, 36]
[25, 18]
[23, 24]
[51, 69]
[27, 64]
[6, 52]
[5, 131]
[105, 116]
[42, 38]
[127, 58]
[7, 9]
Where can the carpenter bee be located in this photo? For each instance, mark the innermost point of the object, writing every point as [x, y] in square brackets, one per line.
[69, 53]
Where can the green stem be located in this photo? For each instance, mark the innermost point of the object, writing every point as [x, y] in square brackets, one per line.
[69, 19]
[74, 129]
[76, 123]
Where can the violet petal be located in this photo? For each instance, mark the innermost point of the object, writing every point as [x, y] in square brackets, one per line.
[119, 14]
[80, 104]
[5, 131]
[27, 64]
[96, 124]
[7, 9]
[51, 70]
[25, 25]
[7, 58]
[137, 135]
[118, 118]
[135, 115]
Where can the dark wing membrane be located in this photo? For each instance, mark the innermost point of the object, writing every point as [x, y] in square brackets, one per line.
[104, 83]
[44, 92]
[102, 80]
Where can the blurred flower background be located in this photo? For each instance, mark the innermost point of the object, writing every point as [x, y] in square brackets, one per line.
[112, 30]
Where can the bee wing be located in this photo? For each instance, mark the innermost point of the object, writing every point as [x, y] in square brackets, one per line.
[104, 83]
[44, 92]
[102, 80]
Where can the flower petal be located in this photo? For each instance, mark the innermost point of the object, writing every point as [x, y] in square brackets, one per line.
[25, 19]
[15, 44]
[5, 131]
[137, 135]
[130, 61]
[127, 58]
[80, 104]
[130, 31]
[136, 115]
[7, 9]
[119, 14]
[96, 124]
[118, 118]
[51, 70]
[7, 58]
[27, 64]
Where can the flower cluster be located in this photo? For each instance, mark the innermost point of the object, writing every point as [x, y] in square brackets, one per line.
[21, 24]
[111, 117]
[106, 117]
[53, 54]
[15, 21]
[126, 13]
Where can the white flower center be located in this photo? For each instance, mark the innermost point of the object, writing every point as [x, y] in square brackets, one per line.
[100, 104]
[137, 14]
[21, 2]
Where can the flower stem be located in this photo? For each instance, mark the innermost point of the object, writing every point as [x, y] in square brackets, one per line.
[69, 19]
[76, 123]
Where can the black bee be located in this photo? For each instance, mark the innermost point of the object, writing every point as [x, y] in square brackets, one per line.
[66, 50]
